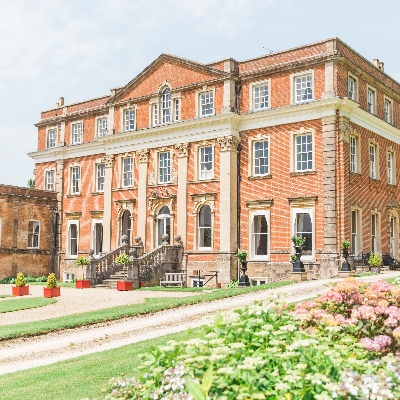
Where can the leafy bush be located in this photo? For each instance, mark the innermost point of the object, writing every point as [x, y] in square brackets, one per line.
[51, 281]
[241, 255]
[345, 244]
[260, 353]
[375, 259]
[370, 314]
[122, 259]
[298, 241]
[233, 284]
[20, 281]
[27, 279]
[82, 261]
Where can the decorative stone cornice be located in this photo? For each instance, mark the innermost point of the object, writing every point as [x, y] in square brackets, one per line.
[345, 129]
[143, 155]
[229, 143]
[159, 197]
[183, 149]
[108, 160]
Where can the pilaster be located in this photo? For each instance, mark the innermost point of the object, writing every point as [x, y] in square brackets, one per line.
[181, 201]
[110, 121]
[142, 192]
[228, 199]
[330, 255]
[108, 161]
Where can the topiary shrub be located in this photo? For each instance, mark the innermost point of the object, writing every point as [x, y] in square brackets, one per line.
[51, 281]
[20, 281]
[82, 261]
[122, 259]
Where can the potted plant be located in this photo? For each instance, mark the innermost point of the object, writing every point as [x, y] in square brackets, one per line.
[123, 260]
[82, 283]
[20, 288]
[375, 261]
[51, 289]
[298, 243]
[244, 279]
[345, 244]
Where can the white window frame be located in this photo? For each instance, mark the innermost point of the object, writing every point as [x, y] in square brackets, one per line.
[375, 231]
[165, 106]
[198, 94]
[124, 172]
[169, 166]
[127, 122]
[390, 167]
[252, 88]
[392, 235]
[49, 142]
[72, 180]
[208, 174]
[36, 223]
[94, 222]
[371, 100]
[100, 178]
[293, 91]
[355, 80]
[253, 251]
[299, 210]
[388, 111]
[100, 121]
[76, 136]
[373, 160]
[254, 142]
[199, 201]
[176, 109]
[46, 179]
[68, 244]
[353, 142]
[199, 228]
[355, 231]
[296, 154]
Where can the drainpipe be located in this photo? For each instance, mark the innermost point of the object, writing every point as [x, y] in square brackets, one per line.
[238, 89]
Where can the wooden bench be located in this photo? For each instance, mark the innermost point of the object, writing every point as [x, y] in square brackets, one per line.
[174, 278]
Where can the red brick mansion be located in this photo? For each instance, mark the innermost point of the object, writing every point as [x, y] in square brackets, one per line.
[232, 154]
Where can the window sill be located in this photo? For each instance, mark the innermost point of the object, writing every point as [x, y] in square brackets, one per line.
[257, 177]
[74, 195]
[259, 260]
[374, 179]
[300, 173]
[163, 184]
[97, 193]
[391, 185]
[203, 180]
[296, 103]
[261, 109]
[33, 248]
[355, 173]
[124, 188]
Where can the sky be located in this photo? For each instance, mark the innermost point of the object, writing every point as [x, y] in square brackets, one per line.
[79, 49]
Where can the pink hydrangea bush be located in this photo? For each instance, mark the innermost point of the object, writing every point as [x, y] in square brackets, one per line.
[369, 313]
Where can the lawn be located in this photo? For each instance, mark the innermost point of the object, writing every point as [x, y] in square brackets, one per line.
[24, 303]
[149, 306]
[80, 377]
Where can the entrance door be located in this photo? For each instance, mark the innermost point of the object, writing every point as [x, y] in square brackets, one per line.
[126, 226]
[163, 225]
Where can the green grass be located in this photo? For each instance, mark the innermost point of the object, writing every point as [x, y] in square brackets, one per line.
[72, 284]
[24, 303]
[81, 377]
[365, 274]
[149, 306]
[177, 289]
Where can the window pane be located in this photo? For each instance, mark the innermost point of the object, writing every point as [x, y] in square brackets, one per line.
[164, 175]
[303, 88]
[127, 171]
[166, 106]
[100, 177]
[261, 97]
[260, 235]
[73, 240]
[52, 138]
[129, 120]
[207, 103]
[205, 226]
[304, 153]
[102, 127]
[206, 162]
[261, 158]
[77, 133]
[303, 228]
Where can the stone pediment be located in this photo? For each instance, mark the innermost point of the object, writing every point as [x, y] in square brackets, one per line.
[178, 72]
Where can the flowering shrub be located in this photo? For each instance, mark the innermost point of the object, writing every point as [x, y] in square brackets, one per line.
[371, 314]
[259, 352]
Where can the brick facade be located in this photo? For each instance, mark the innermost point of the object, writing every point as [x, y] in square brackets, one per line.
[324, 192]
[19, 252]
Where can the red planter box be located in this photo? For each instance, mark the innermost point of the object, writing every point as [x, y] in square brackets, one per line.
[141, 284]
[51, 292]
[20, 290]
[82, 283]
[124, 285]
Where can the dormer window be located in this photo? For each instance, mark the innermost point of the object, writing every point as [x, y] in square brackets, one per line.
[164, 108]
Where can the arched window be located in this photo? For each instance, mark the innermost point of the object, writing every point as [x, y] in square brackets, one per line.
[126, 226]
[163, 224]
[205, 227]
[166, 106]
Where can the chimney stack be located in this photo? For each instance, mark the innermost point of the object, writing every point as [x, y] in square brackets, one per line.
[60, 102]
[379, 64]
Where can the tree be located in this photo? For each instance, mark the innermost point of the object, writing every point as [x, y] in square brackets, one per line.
[31, 184]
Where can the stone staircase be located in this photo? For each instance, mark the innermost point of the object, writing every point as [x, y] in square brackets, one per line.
[111, 282]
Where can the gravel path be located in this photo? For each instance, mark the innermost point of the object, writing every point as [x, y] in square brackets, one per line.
[63, 345]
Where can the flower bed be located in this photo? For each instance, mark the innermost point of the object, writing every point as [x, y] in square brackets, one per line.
[263, 352]
[368, 313]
